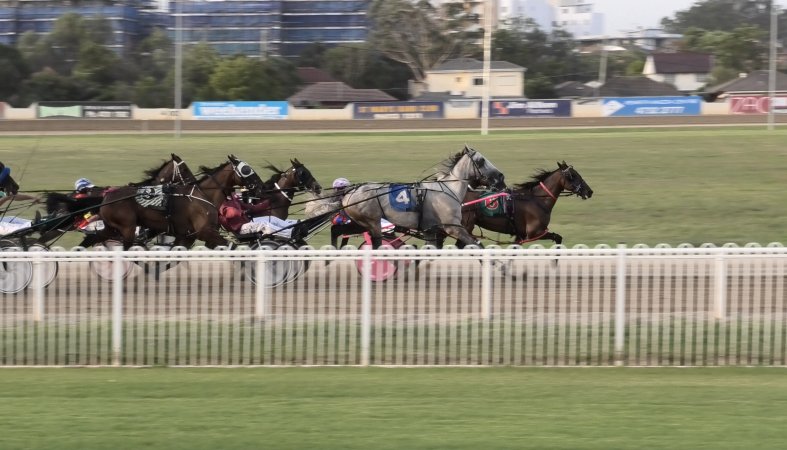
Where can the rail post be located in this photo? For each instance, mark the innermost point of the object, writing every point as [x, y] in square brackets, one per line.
[620, 304]
[261, 293]
[720, 288]
[38, 287]
[366, 306]
[486, 286]
[117, 305]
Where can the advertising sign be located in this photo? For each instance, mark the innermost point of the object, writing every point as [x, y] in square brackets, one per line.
[240, 110]
[757, 104]
[651, 106]
[529, 108]
[398, 110]
[83, 110]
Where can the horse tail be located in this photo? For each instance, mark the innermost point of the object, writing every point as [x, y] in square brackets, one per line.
[58, 202]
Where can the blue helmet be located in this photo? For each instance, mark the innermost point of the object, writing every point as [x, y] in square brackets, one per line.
[82, 184]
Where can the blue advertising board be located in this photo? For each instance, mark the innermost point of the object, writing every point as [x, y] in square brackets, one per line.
[398, 110]
[529, 108]
[651, 106]
[240, 110]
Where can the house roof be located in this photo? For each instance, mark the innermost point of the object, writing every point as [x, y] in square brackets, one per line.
[636, 87]
[309, 75]
[337, 92]
[573, 89]
[682, 62]
[756, 81]
[470, 64]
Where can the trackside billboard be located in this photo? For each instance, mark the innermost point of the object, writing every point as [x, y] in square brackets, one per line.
[240, 110]
[757, 104]
[651, 106]
[398, 110]
[84, 110]
[528, 108]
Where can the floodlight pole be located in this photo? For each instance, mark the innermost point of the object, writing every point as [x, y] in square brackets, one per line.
[772, 68]
[178, 64]
[487, 67]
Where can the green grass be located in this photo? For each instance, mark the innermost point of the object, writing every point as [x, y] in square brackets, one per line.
[651, 185]
[393, 409]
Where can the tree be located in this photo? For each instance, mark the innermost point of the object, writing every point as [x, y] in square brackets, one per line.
[199, 62]
[242, 78]
[724, 15]
[50, 85]
[740, 50]
[13, 71]
[362, 67]
[420, 36]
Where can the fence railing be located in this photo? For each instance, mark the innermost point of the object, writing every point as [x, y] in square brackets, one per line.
[523, 307]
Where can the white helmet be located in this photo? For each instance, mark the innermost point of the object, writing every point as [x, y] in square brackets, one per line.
[341, 183]
[82, 183]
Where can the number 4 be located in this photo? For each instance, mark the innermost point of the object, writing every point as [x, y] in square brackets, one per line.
[402, 197]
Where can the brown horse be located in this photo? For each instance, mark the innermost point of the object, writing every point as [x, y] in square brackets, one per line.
[186, 212]
[65, 211]
[280, 188]
[530, 205]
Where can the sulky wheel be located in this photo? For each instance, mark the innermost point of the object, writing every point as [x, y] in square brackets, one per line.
[15, 276]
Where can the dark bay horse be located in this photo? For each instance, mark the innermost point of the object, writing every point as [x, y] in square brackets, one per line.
[280, 188]
[186, 212]
[530, 204]
[64, 211]
[433, 206]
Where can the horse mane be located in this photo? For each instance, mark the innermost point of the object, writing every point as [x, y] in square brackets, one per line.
[276, 173]
[538, 177]
[208, 171]
[445, 167]
[151, 174]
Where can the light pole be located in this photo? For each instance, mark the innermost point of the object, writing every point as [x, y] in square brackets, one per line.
[487, 67]
[772, 68]
[178, 63]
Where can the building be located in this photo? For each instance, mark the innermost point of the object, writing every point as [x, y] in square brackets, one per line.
[540, 11]
[687, 71]
[577, 17]
[463, 78]
[645, 39]
[39, 16]
[256, 28]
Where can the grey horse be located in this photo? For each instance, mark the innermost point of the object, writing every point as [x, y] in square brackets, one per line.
[433, 207]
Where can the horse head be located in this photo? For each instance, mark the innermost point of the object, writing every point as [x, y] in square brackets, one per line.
[483, 172]
[299, 177]
[7, 183]
[245, 176]
[180, 172]
[572, 181]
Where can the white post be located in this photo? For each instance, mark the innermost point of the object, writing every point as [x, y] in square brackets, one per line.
[772, 68]
[486, 287]
[487, 79]
[117, 305]
[38, 287]
[720, 289]
[261, 279]
[620, 304]
[366, 306]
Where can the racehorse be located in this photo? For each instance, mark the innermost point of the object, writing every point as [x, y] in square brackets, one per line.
[530, 205]
[432, 206]
[62, 208]
[186, 212]
[280, 188]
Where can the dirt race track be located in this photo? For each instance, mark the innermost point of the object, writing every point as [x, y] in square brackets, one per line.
[66, 126]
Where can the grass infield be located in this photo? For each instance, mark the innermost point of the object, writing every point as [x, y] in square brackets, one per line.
[651, 185]
[729, 408]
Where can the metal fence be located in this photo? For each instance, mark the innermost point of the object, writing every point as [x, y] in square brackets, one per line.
[522, 307]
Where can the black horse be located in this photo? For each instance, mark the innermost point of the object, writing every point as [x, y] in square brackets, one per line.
[530, 205]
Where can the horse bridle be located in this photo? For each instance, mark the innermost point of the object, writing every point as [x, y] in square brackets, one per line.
[576, 185]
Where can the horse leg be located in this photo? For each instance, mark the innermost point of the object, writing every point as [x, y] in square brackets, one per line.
[462, 235]
[556, 238]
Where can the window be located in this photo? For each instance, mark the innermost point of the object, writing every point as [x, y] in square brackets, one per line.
[478, 81]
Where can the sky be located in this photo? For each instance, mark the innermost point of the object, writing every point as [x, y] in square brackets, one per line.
[630, 14]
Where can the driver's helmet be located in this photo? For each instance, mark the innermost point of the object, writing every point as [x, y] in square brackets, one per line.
[340, 183]
[82, 184]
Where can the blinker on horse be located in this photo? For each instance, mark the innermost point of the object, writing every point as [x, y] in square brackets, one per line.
[432, 206]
